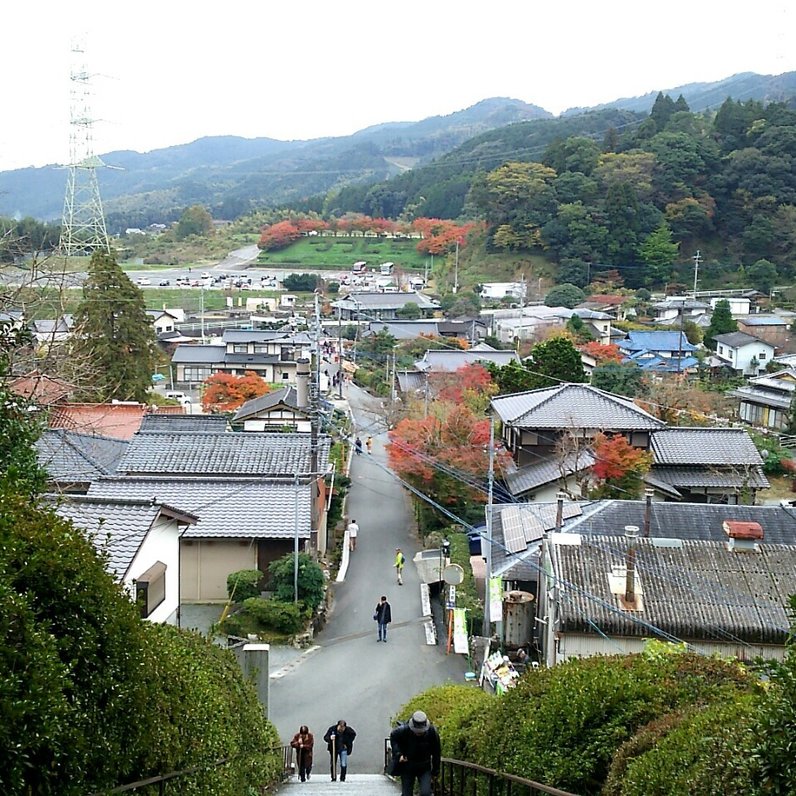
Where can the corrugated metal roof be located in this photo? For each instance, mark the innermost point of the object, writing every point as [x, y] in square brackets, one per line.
[698, 591]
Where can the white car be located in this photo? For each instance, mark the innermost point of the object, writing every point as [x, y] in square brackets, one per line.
[142, 280]
[184, 399]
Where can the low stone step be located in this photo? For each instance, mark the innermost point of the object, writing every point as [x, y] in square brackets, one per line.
[320, 784]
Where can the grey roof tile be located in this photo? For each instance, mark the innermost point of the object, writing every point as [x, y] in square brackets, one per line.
[544, 472]
[157, 423]
[715, 477]
[704, 446]
[739, 339]
[231, 454]
[234, 508]
[75, 457]
[572, 406]
[199, 354]
[287, 396]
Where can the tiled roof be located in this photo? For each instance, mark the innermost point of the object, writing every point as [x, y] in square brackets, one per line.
[201, 354]
[41, 389]
[656, 341]
[704, 446]
[229, 509]
[75, 457]
[716, 477]
[110, 420]
[232, 358]
[286, 396]
[546, 471]
[445, 361]
[405, 330]
[572, 406]
[372, 301]
[694, 591]
[200, 453]
[182, 422]
[116, 526]
[739, 339]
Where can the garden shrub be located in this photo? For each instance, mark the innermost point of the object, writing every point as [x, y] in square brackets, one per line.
[265, 614]
[243, 584]
[311, 583]
[696, 751]
[567, 722]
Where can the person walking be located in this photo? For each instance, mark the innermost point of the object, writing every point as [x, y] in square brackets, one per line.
[353, 531]
[358, 446]
[369, 445]
[340, 743]
[383, 617]
[302, 742]
[416, 752]
[400, 560]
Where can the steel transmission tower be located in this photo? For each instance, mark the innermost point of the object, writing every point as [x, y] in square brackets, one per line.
[83, 223]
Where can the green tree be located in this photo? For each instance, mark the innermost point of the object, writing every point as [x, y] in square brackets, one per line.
[566, 295]
[511, 378]
[556, 360]
[616, 378]
[721, 322]
[195, 220]
[310, 580]
[113, 334]
[763, 275]
[658, 253]
[301, 283]
[409, 312]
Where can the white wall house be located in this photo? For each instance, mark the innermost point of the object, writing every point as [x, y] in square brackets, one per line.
[499, 290]
[744, 353]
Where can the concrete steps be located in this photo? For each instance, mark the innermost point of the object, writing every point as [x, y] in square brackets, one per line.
[361, 784]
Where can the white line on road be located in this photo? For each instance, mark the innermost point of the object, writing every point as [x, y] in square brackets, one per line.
[289, 667]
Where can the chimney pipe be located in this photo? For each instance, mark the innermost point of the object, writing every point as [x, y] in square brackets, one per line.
[559, 511]
[302, 383]
[648, 493]
[631, 534]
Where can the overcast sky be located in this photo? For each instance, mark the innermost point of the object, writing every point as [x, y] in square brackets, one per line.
[169, 72]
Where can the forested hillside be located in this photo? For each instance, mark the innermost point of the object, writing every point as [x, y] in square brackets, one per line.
[623, 192]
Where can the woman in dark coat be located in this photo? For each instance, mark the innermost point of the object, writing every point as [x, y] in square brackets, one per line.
[303, 742]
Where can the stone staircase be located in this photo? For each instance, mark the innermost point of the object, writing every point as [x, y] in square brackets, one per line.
[360, 784]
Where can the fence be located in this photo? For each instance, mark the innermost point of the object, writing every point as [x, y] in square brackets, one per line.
[458, 778]
[162, 780]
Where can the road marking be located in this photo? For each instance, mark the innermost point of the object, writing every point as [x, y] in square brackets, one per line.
[289, 667]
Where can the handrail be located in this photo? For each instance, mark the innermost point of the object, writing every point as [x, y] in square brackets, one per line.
[498, 783]
[162, 779]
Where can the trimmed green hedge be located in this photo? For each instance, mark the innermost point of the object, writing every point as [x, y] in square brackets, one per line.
[244, 583]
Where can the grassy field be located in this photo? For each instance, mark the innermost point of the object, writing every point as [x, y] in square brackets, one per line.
[337, 253]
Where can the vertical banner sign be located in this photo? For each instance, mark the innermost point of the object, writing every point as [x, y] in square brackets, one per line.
[496, 599]
[459, 632]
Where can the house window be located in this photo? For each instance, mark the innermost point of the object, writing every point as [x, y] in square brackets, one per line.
[195, 373]
[239, 348]
[286, 354]
[261, 348]
[285, 376]
[721, 350]
[761, 356]
[150, 589]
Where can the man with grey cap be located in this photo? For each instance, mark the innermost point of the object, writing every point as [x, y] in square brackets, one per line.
[416, 752]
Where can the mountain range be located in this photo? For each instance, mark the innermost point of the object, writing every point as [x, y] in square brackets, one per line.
[232, 175]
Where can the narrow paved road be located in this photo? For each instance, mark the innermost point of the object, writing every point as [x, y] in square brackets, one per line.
[352, 676]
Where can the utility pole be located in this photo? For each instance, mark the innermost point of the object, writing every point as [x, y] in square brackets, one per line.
[202, 316]
[456, 270]
[340, 352]
[697, 258]
[488, 576]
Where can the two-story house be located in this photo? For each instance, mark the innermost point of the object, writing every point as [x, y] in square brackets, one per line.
[381, 306]
[766, 400]
[744, 353]
[272, 355]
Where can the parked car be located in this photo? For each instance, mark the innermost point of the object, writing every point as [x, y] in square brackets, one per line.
[164, 283]
[175, 395]
[142, 280]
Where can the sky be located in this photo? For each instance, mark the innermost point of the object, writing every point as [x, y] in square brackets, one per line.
[166, 73]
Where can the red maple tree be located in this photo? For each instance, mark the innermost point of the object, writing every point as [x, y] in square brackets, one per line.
[619, 466]
[470, 385]
[602, 352]
[224, 392]
[278, 235]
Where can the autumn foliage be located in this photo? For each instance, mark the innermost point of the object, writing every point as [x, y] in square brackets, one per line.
[440, 236]
[619, 466]
[470, 385]
[279, 235]
[225, 393]
[602, 353]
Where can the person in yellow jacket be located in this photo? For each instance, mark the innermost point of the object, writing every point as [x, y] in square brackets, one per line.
[400, 560]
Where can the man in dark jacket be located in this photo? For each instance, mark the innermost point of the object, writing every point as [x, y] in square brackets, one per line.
[340, 743]
[416, 749]
[383, 617]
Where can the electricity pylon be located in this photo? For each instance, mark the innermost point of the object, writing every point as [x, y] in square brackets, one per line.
[83, 224]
